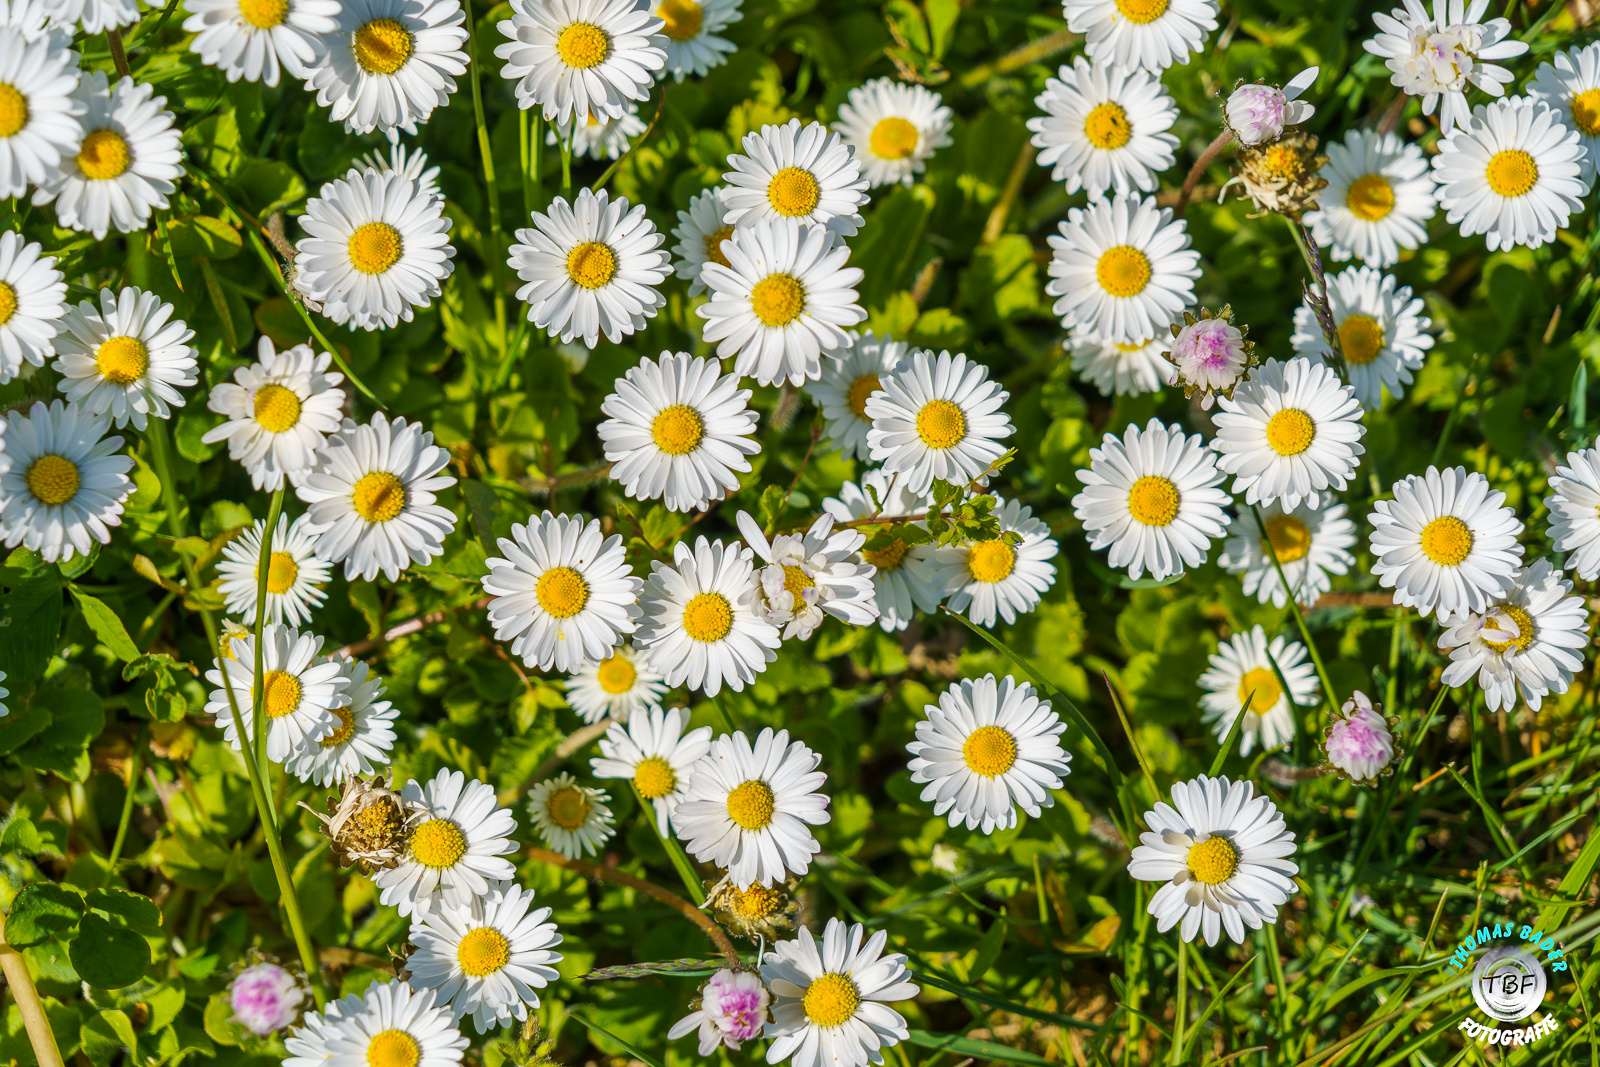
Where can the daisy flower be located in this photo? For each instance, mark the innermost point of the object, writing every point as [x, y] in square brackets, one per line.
[376, 246]
[1571, 87]
[1310, 544]
[618, 687]
[40, 116]
[1123, 269]
[937, 418]
[993, 578]
[903, 578]
[1445, 541]
[1574, 506]
[1528, 642]
[455, 850]
[1437, 57]
[581, 56]
[700, 233]
[792, 172]
[831, 1000]
[893, 129]
[125, 165]
[295, 575]
[127, 358]
[389, 63]
[371, 498]
[572, 818]
[732, 1009]
[299, 691]
[32, 301]
[62, 483]
[701, 626]
[678, 431]
[387, 1026]
[1291, 433]
[252, 39]
[360, 743]
[411, 163]
[746, 807]
[591, 267]
[562, 593]
[1383, 333]
[691, 29]
[1512, 172]
[809, 575]
[279, 411]
[33, 19]
[1152, 496]
[783, 301]
[1242, 681]
[1117, 368]
[96, 16]
[1153, 34]
[988, 748]
[488, 961]
[599, 136]
[1378, 200]
[1221, 850]
[1104, 127]
[846, 383]
[1257, 114]
[653, 752]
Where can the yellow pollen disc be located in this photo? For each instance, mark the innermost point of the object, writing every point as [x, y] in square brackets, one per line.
[755, 903]
[122, 360]
[1125, 348]
[889, 558]
[438, 843]
[562, 592]
[1213, 860]
[1142, 11]
[1370, 197]
[375, 247]
[53, 479]
[282, 695]
[103, 155]
[678, 430]
[1586, 112]
[831, 1000]
[583, 45]
[1123, 271]
[616, 675]
[483, 951]
[346, 730]
[264, 14]
[714, 241]
[1153, 501]
[991, 561]
[1447, 541]
[1361, 338]
[1525, 631]
[378, 497]
[893, 138]
[568, 808]
[654, 778]
[989, 751]
[795, 582]
[793, 192]
[1512, 173]
[1107, 126]
[1288, 537]
[708, 617]
[13, 110]
[393, 1048]
[382, 46]
[751, 804]
[1290, 432]
[1261, 687]
[682, 18]
[860, 389]
[941, 424]
[591, 265]
[8, 303]
[282, 570]
[1282, 161]
[277, 408]
[777, 299]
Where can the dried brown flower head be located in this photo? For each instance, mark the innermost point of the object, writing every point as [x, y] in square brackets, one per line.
[1282, 177]
[756, 912]
[370, 824]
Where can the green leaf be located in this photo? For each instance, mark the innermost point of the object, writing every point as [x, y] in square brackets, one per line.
[108, 956]
[483, 507]
[773, 500]
[219, 1023]
[41, 911]
[201, 235]
[79, 565]
[595, 1027]
[30, 616]
[106, 626]
[971, 1046]
[76, 717]
[137, 911]
[106, 1034]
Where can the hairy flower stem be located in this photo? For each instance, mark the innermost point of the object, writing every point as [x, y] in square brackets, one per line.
[1195, 172]
[258, 696]
[26, 997]
[1321, 306]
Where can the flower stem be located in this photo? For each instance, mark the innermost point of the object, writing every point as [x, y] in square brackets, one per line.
[29, 1006]
[258, 695]
[134, 767]
[674, 850]
[1294, 609]
[119, 55]
[1195, 172]
[496, 235]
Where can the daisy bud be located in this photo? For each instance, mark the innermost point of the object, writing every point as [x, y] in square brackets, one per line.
[1359, 743]
[266, 998]
[733, 1009]
[1258, 113]
[1209, 356]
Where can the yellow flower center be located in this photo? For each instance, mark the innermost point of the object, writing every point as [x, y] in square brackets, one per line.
[616, 675]
[1512, 173]
[1370, 197]
[591, 265]
[751, 804]
[1107, 126]
[568, 807]
[393, 1048]
[1447, 541]
[1283, 161]
[378, 497]
[755, 903]
[438, 843]
[104, 155]
[941, 424]
[375, 247]
[678, 430]
[13, 110]
[382, 46]
[1142, 11]
[793, 191]
[1153, 501]
[708, 617]
[654, 778]
[1290, 432]
[991, 561]
[714, 241]
[1213, 860]
[1525, 631]
[277, 409]
[831, 1000]
[8, 303]
[345, 731]
[282, 694]
[1260, 687]
[795, 582]
[122, 360]
[264, 14]
[281, 572]
[777, 299]
[860, 389]
[562, 592]
[1288, 538]
[1123, 271]
[1586, 112]
[483, 951]
[888, 558]
[53, 479]
[682, 18]
[583, 45]
[893, 138]
[1361, 337]
[989, 751]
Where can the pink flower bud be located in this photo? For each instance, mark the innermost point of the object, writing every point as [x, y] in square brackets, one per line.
[1258, 114]
[1358, 741]
[1209, 356]
[266, 998]
[733, 1009]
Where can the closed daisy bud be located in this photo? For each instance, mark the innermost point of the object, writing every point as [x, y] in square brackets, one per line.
[1258, 113]
[732, 1009]
[1358, 743]
[1209, 355]
[265, 998]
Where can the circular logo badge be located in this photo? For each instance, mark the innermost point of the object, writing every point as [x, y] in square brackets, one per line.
[1508, 983]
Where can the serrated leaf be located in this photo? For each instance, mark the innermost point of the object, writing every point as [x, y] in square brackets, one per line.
[106, 955]
[137, 911]
[106, 625]
[42, 910]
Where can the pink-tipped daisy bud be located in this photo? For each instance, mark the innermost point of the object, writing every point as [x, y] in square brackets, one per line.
[733, 1009]
[1209, 356]
[1258, 113]
[266, 998]
[1359, 742]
